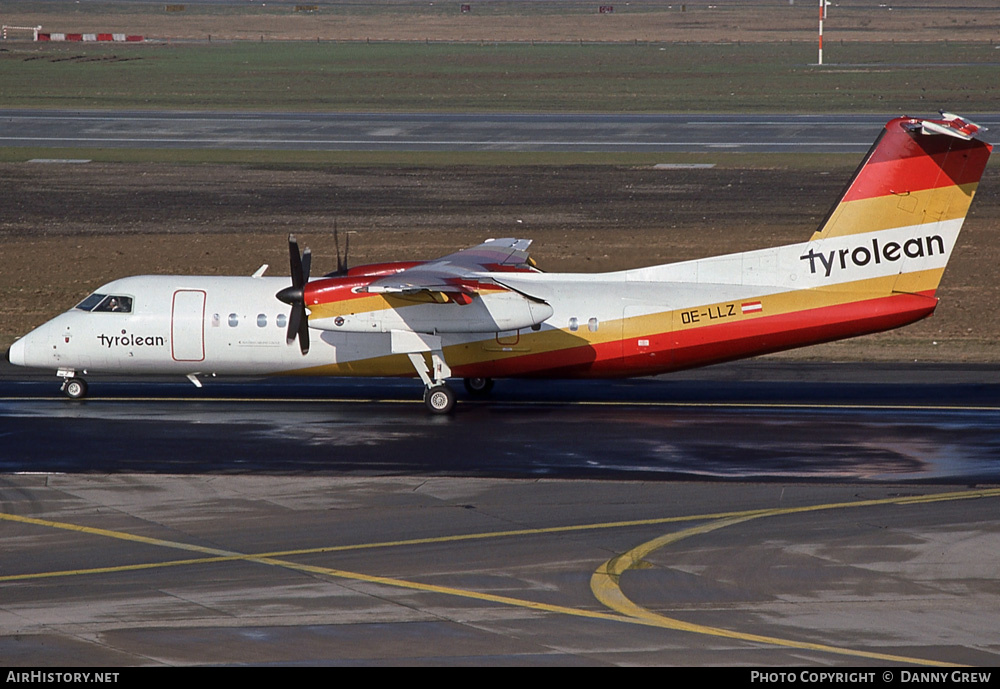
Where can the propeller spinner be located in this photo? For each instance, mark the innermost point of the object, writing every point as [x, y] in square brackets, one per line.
[294, 295]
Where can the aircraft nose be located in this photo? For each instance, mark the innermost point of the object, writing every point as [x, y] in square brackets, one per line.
[15, 354]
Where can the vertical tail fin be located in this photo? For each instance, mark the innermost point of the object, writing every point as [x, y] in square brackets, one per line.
[909, 198]
[917, 172]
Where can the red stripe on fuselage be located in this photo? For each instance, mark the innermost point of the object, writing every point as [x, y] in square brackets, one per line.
[713, 344]
[787, 331]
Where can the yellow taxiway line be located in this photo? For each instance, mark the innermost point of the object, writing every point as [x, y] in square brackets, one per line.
[605, 582]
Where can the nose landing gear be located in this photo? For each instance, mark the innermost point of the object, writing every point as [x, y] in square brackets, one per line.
[74, 388]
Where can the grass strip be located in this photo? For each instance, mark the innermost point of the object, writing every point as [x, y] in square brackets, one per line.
[440, 77]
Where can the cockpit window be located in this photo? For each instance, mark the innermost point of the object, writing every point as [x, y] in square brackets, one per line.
[116, 304]
[90, 302]
[108, 303]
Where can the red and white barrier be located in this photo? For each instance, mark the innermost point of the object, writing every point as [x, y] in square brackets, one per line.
[116, 37]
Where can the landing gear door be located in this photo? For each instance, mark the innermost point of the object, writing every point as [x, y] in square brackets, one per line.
[187, 325]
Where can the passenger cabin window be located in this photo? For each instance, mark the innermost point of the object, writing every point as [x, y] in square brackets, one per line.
[107, 303]
[234, 320]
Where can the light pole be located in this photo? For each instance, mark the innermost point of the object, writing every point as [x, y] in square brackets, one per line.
[822, 16]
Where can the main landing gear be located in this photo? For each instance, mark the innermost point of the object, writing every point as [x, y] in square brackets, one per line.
[440, 399]
[438, 396]
[478, 387]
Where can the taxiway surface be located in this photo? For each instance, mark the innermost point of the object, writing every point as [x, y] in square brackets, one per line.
[833, 133]
[173, 570]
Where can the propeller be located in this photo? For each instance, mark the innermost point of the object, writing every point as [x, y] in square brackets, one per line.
[341, 262]
[294, 296]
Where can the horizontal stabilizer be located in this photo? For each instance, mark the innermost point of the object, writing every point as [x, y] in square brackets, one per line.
[950, 125]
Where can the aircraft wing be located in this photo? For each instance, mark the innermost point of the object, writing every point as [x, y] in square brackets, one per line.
[461, 273]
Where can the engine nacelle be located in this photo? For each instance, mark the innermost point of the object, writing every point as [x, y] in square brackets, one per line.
[487, 312]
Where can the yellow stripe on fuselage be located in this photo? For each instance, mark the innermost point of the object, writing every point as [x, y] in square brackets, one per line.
[547, 341]
[782, 303]
[345, 307]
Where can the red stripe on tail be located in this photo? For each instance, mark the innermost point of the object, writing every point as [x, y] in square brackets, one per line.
[906, 160]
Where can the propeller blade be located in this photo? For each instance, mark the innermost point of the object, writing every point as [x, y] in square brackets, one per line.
[304, 332]
[294, 295]
[295, 262]
[341, 265]
[342, 259]
[294, 318]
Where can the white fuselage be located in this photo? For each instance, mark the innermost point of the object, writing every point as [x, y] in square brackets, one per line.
[235, 325]
[225, 325]
[177, 324]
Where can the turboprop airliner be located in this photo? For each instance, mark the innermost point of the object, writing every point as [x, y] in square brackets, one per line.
[488, 312]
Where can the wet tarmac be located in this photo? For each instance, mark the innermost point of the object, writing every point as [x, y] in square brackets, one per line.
[756, 514]
[742, 422]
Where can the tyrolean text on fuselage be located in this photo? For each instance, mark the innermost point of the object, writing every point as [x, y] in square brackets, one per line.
[877, 253]
[127, 339]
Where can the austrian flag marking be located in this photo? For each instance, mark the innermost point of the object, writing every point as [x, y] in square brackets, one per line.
[752, 307]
